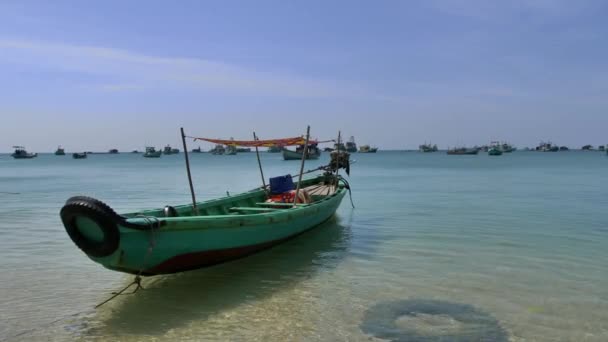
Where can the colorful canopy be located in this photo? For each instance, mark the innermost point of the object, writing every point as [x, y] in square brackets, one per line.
[259, 143]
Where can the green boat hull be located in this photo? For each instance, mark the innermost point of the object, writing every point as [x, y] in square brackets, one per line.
[225, 229]
[494, 152]
[293, 155]
[156, 154]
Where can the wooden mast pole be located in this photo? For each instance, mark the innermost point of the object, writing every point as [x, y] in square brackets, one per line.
[257, 153]
[304, 153]
[338, 159]
[188, 170]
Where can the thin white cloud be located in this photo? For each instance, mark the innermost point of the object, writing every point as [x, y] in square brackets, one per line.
[134, 70]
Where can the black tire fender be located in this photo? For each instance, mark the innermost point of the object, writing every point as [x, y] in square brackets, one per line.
[101, 205]
[102, 215]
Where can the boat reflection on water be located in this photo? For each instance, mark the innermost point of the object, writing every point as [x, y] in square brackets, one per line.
[175, 300]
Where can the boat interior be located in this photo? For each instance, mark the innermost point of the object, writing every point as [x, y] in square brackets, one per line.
[256, 201]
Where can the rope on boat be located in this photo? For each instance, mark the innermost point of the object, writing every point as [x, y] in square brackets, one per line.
[153, 222]
[350, 193]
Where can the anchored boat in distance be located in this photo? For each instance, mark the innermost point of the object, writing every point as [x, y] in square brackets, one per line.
[427, 148]
[275, 149]
[169, 150]
[151, 152]
[21, 153]
[547, 147]
[218, 150]
[462, 151]
[367, 149]
[313, 152]
[351, 146]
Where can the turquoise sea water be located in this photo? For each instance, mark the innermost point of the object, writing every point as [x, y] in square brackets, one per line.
[522, 237]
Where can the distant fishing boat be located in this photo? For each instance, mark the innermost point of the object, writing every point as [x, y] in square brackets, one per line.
[463, 151]
[243, 149]
[495, 149]
[60, 151]
[191, 236]
[21, 153]
[197, 150]
[367, 149]
[506, 147]
[231, 150]
[601, 148]
[587, 148]
[547, 147]
[151, 152]
[79, 155]
[113, 151]
[339, 146]
[328, 149]
[275, 149]
[312, 152]
[351, 146]
[426, 148]
[218, 150]
[169, 150]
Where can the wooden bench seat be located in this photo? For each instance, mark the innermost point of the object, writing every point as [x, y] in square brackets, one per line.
[278, 204]
[253, 209]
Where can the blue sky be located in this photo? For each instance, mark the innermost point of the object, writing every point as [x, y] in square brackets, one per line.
[124, 74]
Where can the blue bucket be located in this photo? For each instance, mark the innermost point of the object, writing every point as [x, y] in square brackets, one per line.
[281, 184]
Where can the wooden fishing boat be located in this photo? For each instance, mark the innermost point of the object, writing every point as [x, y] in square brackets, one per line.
[231, 150]
[426, 148]
[462, 151]
[186, 237]
[169, 150]
[313, 152]
[60, 151]
[494, 151]
[224, 229]
[274, 149]
[351, 146]
[367, 149]
[218, 150]
[151, 152]
[547, 147]
[79, 155]
[21, 153]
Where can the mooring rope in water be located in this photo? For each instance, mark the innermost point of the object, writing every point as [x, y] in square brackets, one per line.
[152, 222]
[350, 194]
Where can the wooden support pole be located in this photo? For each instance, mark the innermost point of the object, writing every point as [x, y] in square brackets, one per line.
[257, 153]
[188, 170]
[304, 153]
[338, 159]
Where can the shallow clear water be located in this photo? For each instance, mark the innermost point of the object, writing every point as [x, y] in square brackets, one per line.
[521, 237]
